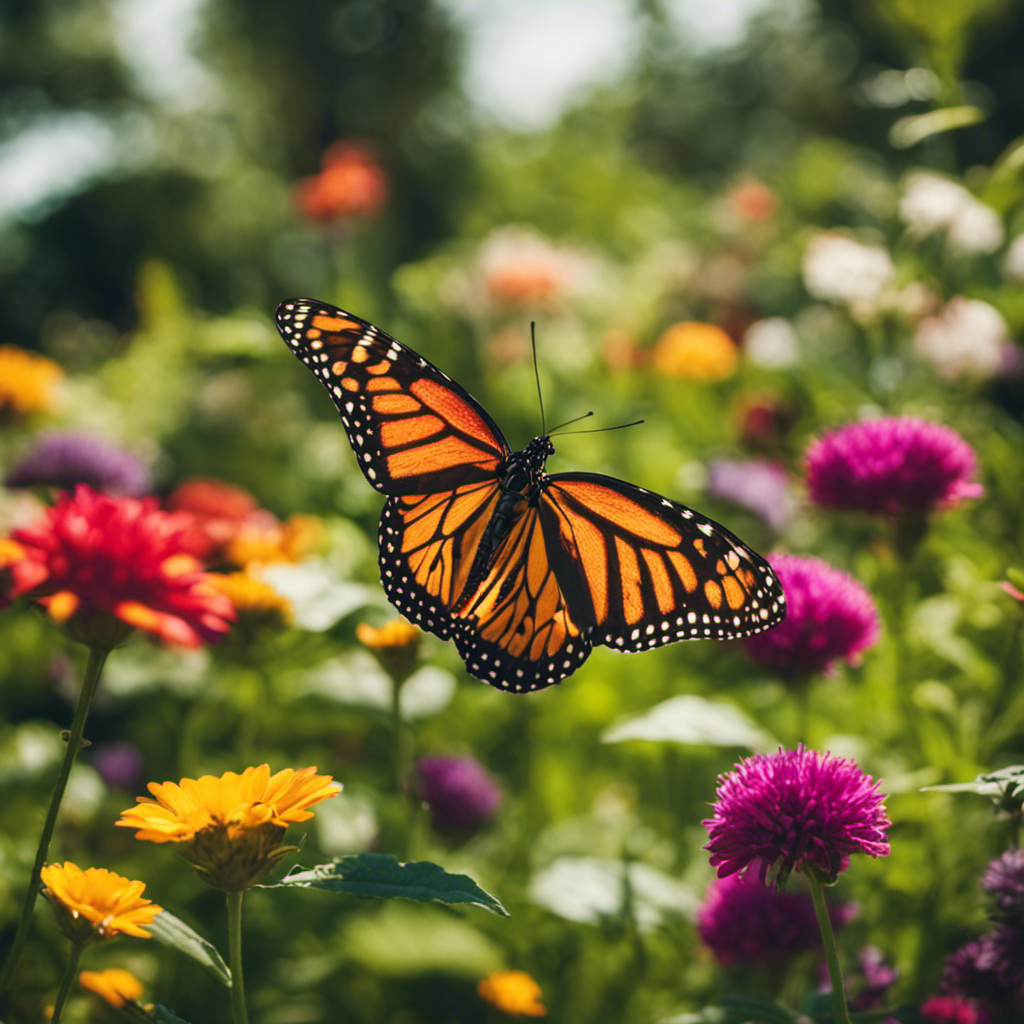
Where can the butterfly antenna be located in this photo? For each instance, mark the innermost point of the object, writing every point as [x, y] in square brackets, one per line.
[569, 423]
[536, 374]
[598, 430]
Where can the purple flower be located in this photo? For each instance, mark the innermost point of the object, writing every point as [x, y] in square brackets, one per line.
[63, 460]
[743, 921]
[990, 968]
[120, 765]
[829, 616]
[1004, 878]
[795, 809]
[878, 977]
[760, 485]
[891, 465]
[459, 792]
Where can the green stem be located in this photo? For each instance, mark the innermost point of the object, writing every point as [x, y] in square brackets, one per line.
[398, 754]
[68, 980]
[93, 671]
[840, 1013]
[235, 957]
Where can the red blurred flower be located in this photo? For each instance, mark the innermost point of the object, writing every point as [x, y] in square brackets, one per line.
[352, 185]
[751, 200]
[103, 564]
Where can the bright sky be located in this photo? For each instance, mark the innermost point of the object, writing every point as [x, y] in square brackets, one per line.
[525, 62]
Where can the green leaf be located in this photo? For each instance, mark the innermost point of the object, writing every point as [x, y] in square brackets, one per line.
[172, 931]
[691, 720]
[915, 128]
[1005, 787]
[381, 875]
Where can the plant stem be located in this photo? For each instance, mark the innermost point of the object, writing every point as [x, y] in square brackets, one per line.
[93, 671]
[840, 1013]
[235, 957]
[67, 981]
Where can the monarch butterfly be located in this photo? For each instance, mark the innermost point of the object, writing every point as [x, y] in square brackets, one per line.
[526, 572]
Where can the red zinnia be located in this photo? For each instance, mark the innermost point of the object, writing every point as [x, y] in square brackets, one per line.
[103, 564]
[350, 186]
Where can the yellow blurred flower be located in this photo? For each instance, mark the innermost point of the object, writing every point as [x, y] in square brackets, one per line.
[395, 644]
[27, 382]
[265, 543]
[114, 985]
[512, 992]
[694, 351]
[230, 828]
[258, 604]
[97, 904]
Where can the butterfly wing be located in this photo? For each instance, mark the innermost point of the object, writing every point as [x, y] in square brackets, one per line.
[648, 571]
[413, 429]
[516, 630]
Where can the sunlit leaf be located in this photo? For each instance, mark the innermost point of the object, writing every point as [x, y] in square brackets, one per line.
[909, 131]
[691, 720]
[1004, 787]
[382, 876]
[172, 931]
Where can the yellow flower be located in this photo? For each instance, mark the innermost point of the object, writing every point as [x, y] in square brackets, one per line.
[258, 604]
[114, 985]
[262, 542]
[27, 382]
[695, 351]
[97, 904]
[230, 828]
[513, 992]
[395, 645]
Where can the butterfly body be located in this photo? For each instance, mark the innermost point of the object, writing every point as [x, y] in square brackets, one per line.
[525, 571]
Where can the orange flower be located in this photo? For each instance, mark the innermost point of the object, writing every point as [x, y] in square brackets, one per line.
[395, 645]
[351, 185]
[512, 992]
[522, 268]
[114, 985]
[27, 382]
[751, 200]
[695, 351]
[230, 828]
[97, 904]
[262, 541]
[103, 565]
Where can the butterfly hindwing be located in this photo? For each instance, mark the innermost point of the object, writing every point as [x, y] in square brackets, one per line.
[413, 429]
[654, 570]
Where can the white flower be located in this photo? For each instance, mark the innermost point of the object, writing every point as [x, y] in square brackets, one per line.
[932, 203]
[1013, 261]
[966, 338]
[842, 269]
[771, 343]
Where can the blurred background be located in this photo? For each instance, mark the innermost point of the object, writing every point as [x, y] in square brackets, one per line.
[748, 222]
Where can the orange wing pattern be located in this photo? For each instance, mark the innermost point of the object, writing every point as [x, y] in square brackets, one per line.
[515, 631]
[427, 543]
[413, 429]
[647, 571]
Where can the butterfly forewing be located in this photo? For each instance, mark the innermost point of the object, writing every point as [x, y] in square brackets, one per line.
[653, 571]
[413, 429]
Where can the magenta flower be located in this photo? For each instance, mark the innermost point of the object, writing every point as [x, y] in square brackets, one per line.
[892, 465]
[62, 460]
[829, 616]
[953, 1010]
[459, 792]
[743, 921]
[795, 809]
[991, 968]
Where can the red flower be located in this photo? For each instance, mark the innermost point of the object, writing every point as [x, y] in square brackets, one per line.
[103, 564]
[351, 185]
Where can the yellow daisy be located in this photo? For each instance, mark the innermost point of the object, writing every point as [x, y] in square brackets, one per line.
[97, 904]
[512, 992]
[230, 828]
[258, 604]
[395, 645]
[114, 985]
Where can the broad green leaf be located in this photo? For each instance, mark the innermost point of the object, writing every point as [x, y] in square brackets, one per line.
[381, 875]
[691, 720]
[172, 931]
[737, 1011]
